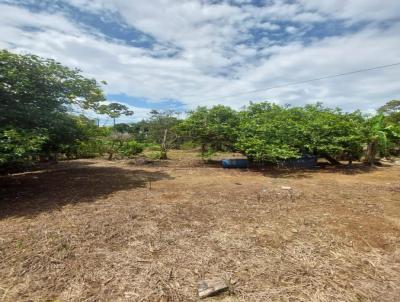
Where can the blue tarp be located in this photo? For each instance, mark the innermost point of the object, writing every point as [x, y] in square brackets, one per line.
[235, 163]
[306, 161]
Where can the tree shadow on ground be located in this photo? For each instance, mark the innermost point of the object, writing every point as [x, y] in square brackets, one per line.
[29, 194]
[355, 169]
[299, 173]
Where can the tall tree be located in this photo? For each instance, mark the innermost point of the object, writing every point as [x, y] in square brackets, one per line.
[269, 132]
[330, 132]
[33, 90]
[213, 128]
[391, 110]
[378, 135]
[266, 133]
[36, 95]
[162, 129]
[114, 110]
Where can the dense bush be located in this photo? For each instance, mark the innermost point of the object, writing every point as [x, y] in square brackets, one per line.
[156, 155]
[131, 148]
[90, 148]
[214, 129]
[18, 148]
[36, 97]
[268, 132]
[121, 144]
[188, 145]
[116, 143]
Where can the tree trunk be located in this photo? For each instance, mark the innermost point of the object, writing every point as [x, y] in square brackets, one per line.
[111, 152]
[164, 148]
[350, 160]
[331, 160]
[203, 150]
[163, 154]
[371, 153]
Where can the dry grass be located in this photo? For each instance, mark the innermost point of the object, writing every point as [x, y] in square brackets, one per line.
[96, 231]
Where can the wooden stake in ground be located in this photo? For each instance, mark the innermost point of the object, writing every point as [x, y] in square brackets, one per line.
[208, 288]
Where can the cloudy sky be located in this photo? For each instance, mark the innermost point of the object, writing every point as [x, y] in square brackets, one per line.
[179, 54]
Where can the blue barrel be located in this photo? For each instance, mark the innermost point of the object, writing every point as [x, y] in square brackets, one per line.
[235, 163]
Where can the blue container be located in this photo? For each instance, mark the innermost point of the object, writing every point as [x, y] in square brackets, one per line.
[235, 163]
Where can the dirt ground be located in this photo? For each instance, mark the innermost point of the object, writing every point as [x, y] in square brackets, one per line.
[95, 230]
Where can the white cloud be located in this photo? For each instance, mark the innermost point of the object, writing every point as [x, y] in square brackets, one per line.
[292, 29]
[356, 10]
[215, 56]
[14, 16]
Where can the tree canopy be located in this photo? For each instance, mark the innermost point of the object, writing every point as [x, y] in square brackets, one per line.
[38, 98]
[162, 130]
[114, 110]
[33, 90]
[213, 128]
[391, 110]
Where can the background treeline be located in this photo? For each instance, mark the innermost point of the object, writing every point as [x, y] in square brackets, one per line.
[38, 98]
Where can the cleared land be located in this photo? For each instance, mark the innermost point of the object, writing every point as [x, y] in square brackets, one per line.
[94, 230]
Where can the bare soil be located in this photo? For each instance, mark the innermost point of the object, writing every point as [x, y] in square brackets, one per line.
[95, 230]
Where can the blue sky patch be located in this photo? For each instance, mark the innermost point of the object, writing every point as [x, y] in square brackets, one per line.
[146, 104]
[110, 24]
